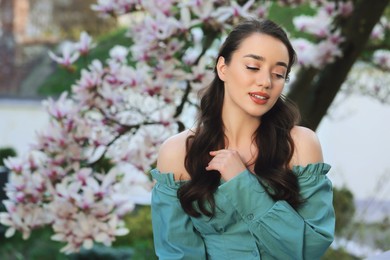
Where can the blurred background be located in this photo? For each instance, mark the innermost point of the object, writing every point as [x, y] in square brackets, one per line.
[354, 132]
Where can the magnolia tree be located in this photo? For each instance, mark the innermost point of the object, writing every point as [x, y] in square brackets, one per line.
[88, 168]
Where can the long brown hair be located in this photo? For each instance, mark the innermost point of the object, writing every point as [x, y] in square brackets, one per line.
[275, 144]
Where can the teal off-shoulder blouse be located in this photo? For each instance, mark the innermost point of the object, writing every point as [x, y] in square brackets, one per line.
[248, 223]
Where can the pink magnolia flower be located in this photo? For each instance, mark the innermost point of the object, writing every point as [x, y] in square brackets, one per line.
[23, 218]
[223, 13]
[382, 59]
[132, 77]
[85, 43]
[378, 32]
[61, 108]
[69, 56]
[202, 9]
[262, 10]
[15, 164]
[186, 21]
[327, 52]
[305, 51]
[345, 9]
[119, 53]
[84, 90]
[159, 6]
[318, 25]
[201, 75]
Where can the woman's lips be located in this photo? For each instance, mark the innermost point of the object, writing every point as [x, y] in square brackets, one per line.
[260, 98]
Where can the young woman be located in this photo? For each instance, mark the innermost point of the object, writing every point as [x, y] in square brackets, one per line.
[247, 182]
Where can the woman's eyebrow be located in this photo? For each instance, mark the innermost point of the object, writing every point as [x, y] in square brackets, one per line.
[254, 56]
[261, 58]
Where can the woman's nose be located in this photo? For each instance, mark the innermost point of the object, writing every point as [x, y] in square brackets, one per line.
[263, 79]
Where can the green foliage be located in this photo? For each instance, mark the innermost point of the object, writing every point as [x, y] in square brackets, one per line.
[140, 236]
[38, 246]
[285, 15]
[344, 208]
[382, 240]
[104, 164]
[6, 152]
[103, 253]
[374, 235]
[338, 254]
[137, 245]
[62, 80]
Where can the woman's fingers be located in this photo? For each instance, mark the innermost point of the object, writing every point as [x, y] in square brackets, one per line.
[227, 162]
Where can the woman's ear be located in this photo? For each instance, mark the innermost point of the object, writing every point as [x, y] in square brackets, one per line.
[221, 67]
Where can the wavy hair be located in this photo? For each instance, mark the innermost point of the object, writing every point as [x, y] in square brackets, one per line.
[272, 136]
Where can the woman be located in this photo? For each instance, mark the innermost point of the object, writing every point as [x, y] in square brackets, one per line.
[247, 182]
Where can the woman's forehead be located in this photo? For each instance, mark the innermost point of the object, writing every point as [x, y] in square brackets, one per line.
[264, 46]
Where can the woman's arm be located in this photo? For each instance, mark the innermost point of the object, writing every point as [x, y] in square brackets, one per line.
[174, 235]
[282, 232]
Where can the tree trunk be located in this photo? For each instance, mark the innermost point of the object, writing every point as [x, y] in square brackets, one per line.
[314, 92]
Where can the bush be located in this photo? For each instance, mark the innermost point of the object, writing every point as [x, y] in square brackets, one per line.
[344, 208]
[103, 253]
[339, 254]
[6, 152]
[140, 237]
[38, 246]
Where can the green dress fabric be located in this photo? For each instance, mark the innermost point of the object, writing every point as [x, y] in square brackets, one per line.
[248, 224]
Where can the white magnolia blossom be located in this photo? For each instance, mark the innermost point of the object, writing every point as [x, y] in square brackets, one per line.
[378, 33]
[85, 43]
[119, 54]
[317, 25]
[382, 59]
[366, 79]
[342, 8]
[69, 55]
[305, 51]
[159, 6]
[223, 13]
[88, 168]
[327, 48]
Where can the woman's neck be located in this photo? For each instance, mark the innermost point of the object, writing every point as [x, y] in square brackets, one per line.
[239, 128]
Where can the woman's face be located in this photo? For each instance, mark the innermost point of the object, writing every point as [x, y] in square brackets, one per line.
[255, 75]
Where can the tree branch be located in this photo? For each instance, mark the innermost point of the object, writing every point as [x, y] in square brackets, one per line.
[381, 46]
[316, 98]
[207, 42]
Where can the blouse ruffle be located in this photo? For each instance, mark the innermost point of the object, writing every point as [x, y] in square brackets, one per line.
[313, 170]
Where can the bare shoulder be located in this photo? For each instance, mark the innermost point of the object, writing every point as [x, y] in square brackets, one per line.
[307, 146]
[172, 154]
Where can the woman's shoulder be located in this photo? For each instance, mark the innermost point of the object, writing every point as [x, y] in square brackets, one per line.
[177, 141]
[171, 155]
[307, 147]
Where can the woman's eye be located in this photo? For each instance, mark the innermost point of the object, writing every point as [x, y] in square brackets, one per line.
[279, 76]
[252, 68]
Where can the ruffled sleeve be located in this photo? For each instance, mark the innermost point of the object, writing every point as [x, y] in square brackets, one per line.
[281, 231]
[174, 234]
[317, 210]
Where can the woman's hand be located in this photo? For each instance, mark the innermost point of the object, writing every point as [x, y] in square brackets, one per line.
[227, 162]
